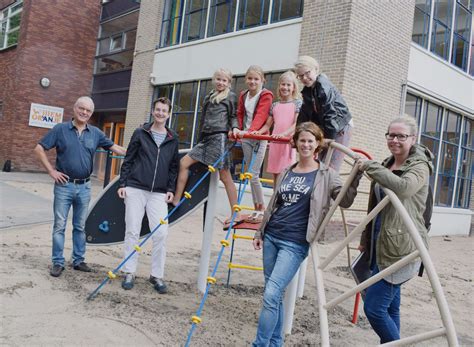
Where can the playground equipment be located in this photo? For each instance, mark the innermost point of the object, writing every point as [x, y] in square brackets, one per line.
[105, 222]
[295, 288]
[448, 329]
[187, 195]
[205, 281]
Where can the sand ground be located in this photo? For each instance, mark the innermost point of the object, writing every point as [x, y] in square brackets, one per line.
[39, 310]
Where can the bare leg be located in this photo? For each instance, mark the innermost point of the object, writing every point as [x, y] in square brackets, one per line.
[184, 165]
[275, 177]
[226, 178]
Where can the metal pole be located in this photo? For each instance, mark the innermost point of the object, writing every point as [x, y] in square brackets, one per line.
[289, 303]
[302, 278]
[429, 267]
[375, 278]
[354, 233]
[108, 168]
[208, 232]
[323, 313]
[417, 338]
[334, 206]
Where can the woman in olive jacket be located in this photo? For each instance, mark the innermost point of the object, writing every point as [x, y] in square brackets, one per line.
[386, 240]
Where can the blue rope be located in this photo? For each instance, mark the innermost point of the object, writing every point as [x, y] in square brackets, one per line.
[107, 279]
[221, 252]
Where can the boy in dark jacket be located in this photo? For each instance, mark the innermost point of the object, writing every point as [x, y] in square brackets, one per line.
[147, 183]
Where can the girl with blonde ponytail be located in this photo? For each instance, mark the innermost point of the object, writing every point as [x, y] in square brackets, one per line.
[218, 119]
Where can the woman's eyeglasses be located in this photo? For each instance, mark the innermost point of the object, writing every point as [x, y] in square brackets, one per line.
[400, 137]
[303, 75]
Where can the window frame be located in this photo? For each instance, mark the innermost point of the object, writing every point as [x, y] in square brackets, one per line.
[172, 18]
[444, 111]
[451, 36]
[188, 13]
[466, 180]
[173, 91]
[210, 14]
[102, 40]
[426, 20]
[12, 10]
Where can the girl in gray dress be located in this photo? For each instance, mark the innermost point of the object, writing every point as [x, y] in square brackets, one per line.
[218, 120]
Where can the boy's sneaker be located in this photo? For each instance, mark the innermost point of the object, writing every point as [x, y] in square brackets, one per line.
[159, 285]
[128, 281]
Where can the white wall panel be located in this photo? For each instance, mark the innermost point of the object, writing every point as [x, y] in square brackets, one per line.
[272, 47]
[440, 79]
[450, 221]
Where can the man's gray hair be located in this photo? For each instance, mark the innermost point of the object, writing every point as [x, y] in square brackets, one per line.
[85, 99]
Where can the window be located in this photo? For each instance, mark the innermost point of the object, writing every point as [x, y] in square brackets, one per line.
[184, 105]
[205, 88]
[464, 183]
[10, 19]
[116, 43]
[471, 68]
[171, 24]
[115, 62]
[421, 22]
[222, 17]
[451, 18]
[413, 106]
[462, 30]
[186, 117]
[195, 20]
[441, 34]
[284, 9]
[448, 159]
[1, 109]
[431, 130]
[253, 13]
[450, 136]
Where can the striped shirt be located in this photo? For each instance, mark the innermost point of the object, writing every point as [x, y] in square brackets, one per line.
[158, 137]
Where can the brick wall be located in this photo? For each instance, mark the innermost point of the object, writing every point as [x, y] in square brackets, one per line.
[364, 49]
[141, 90]
[57, 40]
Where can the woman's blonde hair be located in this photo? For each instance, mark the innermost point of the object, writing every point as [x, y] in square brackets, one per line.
[216, 97]
[312, 128]
[256, 69]
[291, 76]
[308, 62]
[407, 120]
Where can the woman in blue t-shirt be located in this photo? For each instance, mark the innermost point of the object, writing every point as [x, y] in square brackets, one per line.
[300, 201]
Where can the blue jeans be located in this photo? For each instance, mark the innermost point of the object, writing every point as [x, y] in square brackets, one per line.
[382, 308]
[65, 196]
[281, 261]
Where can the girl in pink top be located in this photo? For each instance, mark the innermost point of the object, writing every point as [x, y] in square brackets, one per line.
[283, 115]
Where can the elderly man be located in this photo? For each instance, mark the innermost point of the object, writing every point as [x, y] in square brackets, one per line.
[75, 142]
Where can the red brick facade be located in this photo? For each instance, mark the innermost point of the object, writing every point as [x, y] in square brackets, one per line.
[58, 41]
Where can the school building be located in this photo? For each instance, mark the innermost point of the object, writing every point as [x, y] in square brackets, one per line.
[386, 57]
[52, 52]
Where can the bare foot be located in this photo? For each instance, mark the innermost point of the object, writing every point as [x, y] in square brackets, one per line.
[237, 219]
